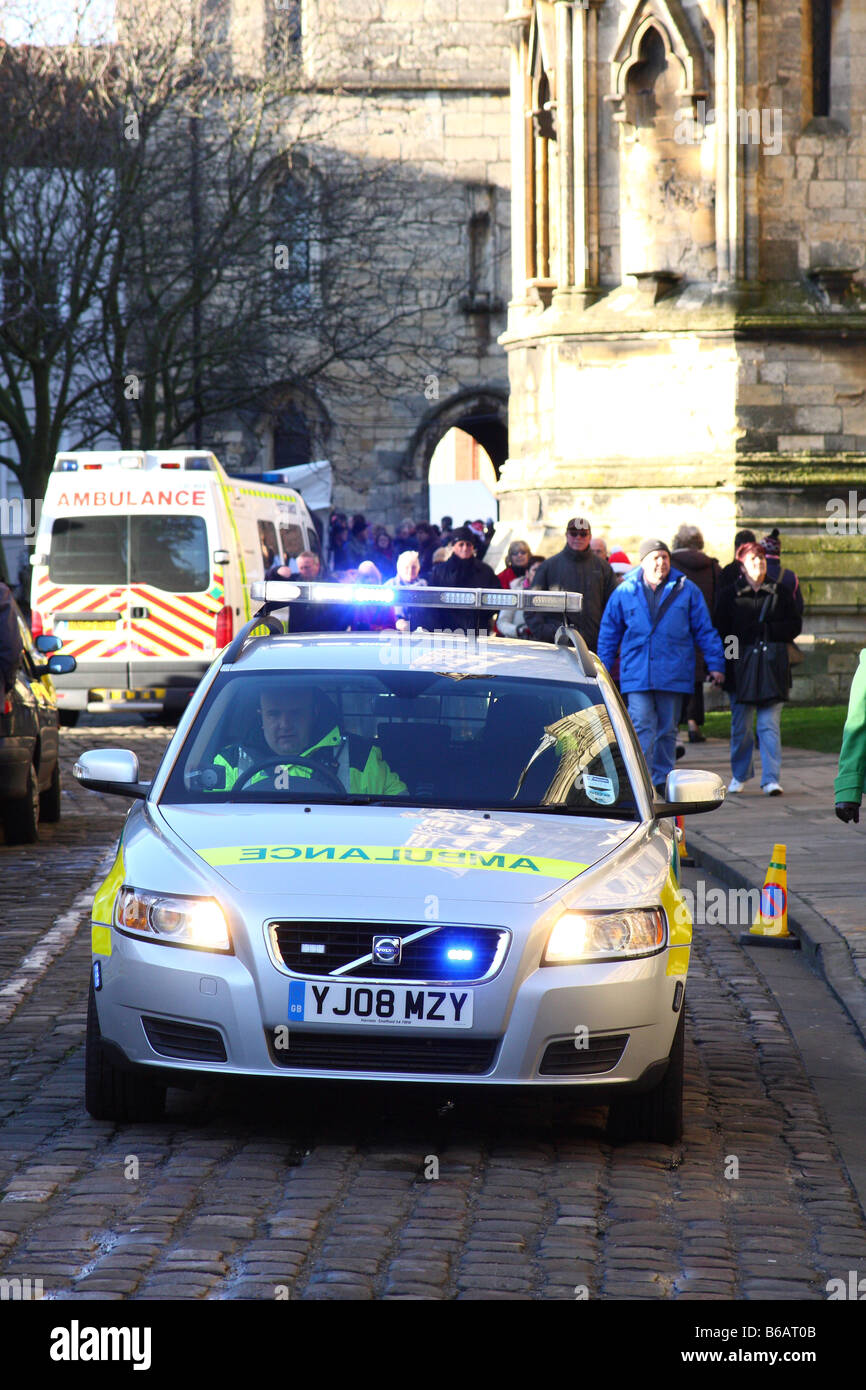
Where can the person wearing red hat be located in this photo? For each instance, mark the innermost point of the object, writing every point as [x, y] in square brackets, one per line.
[752, 609]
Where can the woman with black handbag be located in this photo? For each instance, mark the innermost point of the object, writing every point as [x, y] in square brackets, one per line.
[756, 619]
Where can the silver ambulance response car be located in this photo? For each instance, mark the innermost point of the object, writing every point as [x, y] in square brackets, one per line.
[419, 856]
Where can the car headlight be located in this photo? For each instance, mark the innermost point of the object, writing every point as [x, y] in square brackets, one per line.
[180, 921]
[582, 936]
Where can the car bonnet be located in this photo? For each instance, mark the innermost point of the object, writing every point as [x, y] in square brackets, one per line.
[359, 852]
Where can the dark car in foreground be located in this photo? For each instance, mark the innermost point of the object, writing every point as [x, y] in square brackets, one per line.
[29, 740]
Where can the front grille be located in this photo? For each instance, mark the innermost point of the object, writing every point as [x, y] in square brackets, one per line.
[354, 1052]
[424, 959]
[191, 1042]
[601, 1054]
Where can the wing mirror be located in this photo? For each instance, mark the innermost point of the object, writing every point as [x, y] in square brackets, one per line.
[689, 792]
[110, 770]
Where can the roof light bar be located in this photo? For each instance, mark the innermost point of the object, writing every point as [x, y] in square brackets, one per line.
[342, 593]
[280, 592]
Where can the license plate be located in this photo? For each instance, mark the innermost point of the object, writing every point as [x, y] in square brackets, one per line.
[101, 625]
[397, 1004]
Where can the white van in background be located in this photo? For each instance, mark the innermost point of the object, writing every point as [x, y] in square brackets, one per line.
[142, 565]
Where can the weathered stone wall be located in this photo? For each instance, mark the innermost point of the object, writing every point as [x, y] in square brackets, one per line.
[813, 193]
[727, 385]
[427, 43]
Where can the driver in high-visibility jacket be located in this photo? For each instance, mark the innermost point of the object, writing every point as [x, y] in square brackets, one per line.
[294, 726]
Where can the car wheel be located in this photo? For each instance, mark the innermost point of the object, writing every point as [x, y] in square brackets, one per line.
[68, 717]
[49, 800]
[109, 1092]
[21, 816]
[657, 1115]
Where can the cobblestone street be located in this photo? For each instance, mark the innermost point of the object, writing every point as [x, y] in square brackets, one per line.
[305, 1191]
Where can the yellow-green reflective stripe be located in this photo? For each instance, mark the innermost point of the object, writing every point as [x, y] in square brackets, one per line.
[679, 927]
[100, 940]
[678, 960]
[402, 855]
[103, 903]
[227, 499]
[679, 918]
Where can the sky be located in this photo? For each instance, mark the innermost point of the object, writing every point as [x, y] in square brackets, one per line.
[56, 21]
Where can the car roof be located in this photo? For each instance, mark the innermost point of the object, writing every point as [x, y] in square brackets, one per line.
[419, 651]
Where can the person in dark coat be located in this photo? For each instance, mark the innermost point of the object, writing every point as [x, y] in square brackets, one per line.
[705, 571]
[358, 545]
[575, 569]
[310, 617]
[11, 644]
[734, 571]
[737, 620]
[426, 543]
[463, 570]
[776, 573]
[384, 555]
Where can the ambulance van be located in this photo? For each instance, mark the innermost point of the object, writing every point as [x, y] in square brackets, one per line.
[143, 564]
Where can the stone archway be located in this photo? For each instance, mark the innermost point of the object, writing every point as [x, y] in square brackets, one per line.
[482, 413]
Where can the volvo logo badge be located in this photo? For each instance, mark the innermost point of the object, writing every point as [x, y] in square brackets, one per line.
[387, 950]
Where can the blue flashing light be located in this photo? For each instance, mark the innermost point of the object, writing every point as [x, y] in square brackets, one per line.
[69, 465]
[372, 593]
[97, 975]
[459, 953]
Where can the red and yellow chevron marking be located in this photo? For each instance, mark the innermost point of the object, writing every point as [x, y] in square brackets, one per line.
[176, 624]
[54, 600]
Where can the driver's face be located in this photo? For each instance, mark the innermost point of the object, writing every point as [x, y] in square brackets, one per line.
[287, 721]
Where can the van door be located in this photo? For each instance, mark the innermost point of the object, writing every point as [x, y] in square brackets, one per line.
[83, 595]
[173, 600]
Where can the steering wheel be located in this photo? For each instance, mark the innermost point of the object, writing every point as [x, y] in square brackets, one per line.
[330, 779]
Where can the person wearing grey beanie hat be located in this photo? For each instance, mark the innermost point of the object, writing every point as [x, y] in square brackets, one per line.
[647, 547]
[655, 620]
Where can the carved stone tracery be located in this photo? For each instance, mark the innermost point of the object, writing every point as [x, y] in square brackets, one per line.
[682, 51]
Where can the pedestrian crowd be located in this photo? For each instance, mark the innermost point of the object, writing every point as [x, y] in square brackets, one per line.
[663, 626]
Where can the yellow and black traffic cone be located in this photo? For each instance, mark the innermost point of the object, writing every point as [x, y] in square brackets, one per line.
[686, 860]
[770, 927]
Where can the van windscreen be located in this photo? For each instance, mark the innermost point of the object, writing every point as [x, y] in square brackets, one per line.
[167, 552]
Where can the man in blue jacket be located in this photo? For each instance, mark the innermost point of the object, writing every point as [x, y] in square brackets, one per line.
[655, 619]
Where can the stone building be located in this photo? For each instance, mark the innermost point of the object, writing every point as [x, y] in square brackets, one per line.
[687, 327]
[422, 83]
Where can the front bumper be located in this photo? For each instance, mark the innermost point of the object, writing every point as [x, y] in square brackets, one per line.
[520, 1013]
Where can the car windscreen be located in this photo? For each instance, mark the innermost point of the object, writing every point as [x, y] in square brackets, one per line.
[419, 738]
[167, 552]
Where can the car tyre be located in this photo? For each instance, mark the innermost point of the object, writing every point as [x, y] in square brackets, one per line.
[109, 1092]
[657, 1115]
[49, 800]
[21, 816]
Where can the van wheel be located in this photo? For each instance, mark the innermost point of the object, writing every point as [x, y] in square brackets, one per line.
[656, 1116]
[68, 717]
[109, 1092]
[21, 816]
[49, 800]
